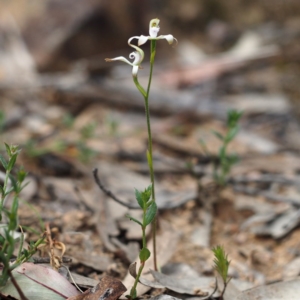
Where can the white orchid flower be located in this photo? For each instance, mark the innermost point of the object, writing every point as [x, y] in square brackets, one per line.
[137, 57]
[153, 31]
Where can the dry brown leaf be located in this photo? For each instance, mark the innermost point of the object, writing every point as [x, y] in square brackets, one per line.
[107, 289]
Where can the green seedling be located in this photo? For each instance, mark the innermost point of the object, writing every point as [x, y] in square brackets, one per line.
[138, 57]
[11, 188]
[85, 153]
[88, 130]
[221, 265]
[68, 120]
[149, 211]
[225, 161]
[112, 125]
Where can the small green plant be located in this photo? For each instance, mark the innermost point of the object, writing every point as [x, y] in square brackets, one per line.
[88, 130]
[11, 188]
[85, 154]
[225, 161]
[138, 57]
[112, 125]
[149, 211]
[221, 265]
[68, 120]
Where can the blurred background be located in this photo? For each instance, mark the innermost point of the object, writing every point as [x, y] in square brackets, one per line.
[231, 55]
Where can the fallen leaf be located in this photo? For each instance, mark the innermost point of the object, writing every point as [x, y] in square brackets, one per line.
[107, 289]
[38, 282]
[280, 290]
[197, 286]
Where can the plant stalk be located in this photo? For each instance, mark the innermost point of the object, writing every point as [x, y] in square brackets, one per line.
[147, 112]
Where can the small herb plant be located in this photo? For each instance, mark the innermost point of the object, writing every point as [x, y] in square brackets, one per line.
[138, 57]
[149, 211]
[221, 265]
[11, 188]
[225, 161]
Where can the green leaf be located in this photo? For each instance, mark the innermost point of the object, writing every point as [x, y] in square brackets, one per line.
[3, 162]
[134, 220]
[150, 214]
[221, 262]
[12, 161]
[231, 134]
[233, 117]
[147, 194]
[144, 254]
[133, 293]
[218, 135]
[8, 149]
[143, 197]
[21, 175]
[139, 198]
[14, 183]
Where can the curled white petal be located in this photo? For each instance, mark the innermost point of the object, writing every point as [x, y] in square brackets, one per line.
[138, 50]
[121, 58]
[138, 58]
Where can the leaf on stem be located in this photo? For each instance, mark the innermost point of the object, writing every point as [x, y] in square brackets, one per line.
[144, 254]
[218, 135]
[3, 162]
[150, 214]
[12, 161]
[134, 220]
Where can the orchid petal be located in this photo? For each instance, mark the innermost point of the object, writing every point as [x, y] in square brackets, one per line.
[153, 31]
[121, 58]
[138, 58]
[169, 37]
[154, 28]
[135, 71]
[143, 39]
[138, 50]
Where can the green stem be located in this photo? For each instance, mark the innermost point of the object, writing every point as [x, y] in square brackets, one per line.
[133, 289]
[147, 112]
[149, 152]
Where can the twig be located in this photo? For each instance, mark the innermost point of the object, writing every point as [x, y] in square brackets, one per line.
[170, 205]
[46, 260]
[109, 193]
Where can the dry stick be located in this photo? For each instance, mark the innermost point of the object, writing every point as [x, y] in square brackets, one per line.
[109, 193]
[169, 205]
[46, 260]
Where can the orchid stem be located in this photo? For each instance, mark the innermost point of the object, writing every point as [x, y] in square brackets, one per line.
[149, 152]
[150, 158]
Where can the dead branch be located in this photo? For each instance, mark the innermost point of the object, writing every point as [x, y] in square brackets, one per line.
[109, 193]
